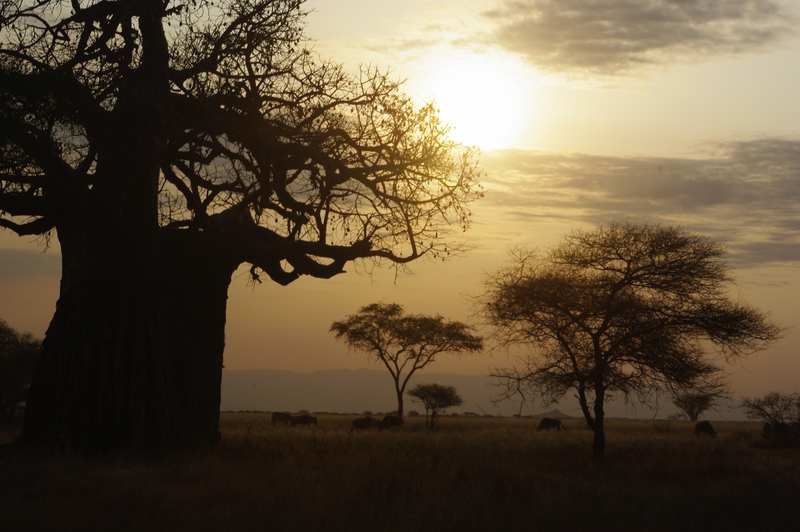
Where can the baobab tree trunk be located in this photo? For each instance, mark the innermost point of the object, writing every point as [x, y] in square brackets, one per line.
[133, 356]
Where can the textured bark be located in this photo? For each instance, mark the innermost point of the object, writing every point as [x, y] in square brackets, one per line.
[133, 359]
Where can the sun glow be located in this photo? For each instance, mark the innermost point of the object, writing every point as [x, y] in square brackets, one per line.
[489, 99]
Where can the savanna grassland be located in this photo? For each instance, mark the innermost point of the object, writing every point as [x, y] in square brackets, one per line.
[471, 474]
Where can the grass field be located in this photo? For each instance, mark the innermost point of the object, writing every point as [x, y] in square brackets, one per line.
[493, 474]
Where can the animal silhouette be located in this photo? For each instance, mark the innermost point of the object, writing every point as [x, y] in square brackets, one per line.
[549, 423]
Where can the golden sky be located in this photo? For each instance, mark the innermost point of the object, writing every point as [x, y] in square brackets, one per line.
[676, 112]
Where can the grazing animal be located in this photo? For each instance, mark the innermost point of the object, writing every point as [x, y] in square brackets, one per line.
[549, 423]
[705, 428]
[390, 421]
[302, 419]
[281, 418]
[363, 423]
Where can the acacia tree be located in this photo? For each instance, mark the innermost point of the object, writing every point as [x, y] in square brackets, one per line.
[404, 343]
[622, 309]
[774, 408]
[165, 143]
[435, 398]
[694, 401]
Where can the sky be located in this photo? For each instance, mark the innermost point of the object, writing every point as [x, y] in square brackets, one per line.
[586, 112]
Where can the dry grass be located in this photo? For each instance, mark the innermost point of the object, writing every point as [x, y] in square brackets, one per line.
[473, 474]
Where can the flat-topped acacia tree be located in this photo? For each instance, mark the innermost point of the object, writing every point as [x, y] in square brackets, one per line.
[404, 343]
[166, 143]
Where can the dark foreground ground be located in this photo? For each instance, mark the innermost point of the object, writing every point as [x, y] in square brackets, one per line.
[474, 474]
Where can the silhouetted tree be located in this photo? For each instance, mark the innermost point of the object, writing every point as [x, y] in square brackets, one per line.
[511, 389]
[781, 416]
[167, 143]
[404, 343]
[774, 408]
[18, 355]
[620, 309]
[694, 401]
[435, 398]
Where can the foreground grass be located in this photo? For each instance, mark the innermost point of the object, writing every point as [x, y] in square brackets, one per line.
[473, 474]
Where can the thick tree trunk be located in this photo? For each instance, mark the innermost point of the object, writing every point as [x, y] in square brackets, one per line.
[133, 354]
[134, 358]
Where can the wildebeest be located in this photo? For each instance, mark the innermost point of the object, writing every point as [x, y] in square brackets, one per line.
[390, 421]
[549, 423]
[302, 419]
[705, 428]
[366, 422]
[281, 418]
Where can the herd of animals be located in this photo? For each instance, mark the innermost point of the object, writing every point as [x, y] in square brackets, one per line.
[702, 428]
[361, 423]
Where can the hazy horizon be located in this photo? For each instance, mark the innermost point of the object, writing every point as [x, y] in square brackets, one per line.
[354, 391]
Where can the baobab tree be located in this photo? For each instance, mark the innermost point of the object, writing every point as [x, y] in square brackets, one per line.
[404, 343]
[622, 309]
[165, 144]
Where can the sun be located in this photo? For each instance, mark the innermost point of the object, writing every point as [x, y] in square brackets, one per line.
[488, 99]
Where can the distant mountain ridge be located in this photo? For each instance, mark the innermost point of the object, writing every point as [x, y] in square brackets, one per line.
[359, 390]
[341, 390]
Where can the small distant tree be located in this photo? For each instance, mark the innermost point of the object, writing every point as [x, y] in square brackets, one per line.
[435, 398]
[622, 309]
[404, 343]
[18, 355]
[694, 401]
[514, 389]
[774, 408]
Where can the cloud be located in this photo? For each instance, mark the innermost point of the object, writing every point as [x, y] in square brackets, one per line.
[615, 36]
[745, 194]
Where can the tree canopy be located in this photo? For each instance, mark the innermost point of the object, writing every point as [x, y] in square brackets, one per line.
[307, 165]
[700, 398]
[435, 398]
[774, 408]
[622, 309]
[404, 343]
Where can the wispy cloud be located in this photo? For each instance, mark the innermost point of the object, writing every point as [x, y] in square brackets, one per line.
[615, 36]
[746, 194]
